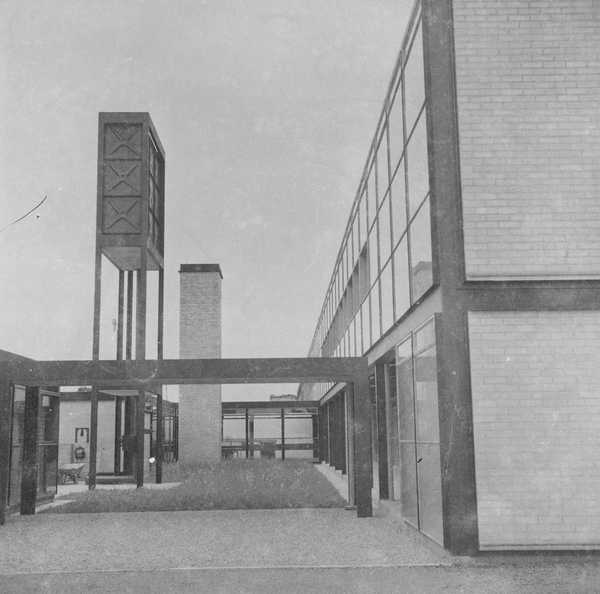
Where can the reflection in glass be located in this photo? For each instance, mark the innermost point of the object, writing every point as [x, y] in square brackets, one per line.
[393, 443]
[395, 130]
[373, 261]
[382, 168]
[375, 313]
[365, 326]
[418, 171]
[387, 298]
[385, 239]
[355, 250]
[420, 253]
[414, 81]
[402, 287]
[371, 196]
[363, 220]
[398, 204]
[425, 337]
[428, 443]
[407, 479]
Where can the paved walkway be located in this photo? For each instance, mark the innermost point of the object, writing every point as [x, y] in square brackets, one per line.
[299, 550]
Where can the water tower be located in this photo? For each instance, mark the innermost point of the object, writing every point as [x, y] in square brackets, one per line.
[130, 235]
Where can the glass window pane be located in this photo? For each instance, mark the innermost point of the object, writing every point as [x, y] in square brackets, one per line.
[428, 446]
[354, 241]
[363, 220]
[373, 263]
[375, 317]
[402, 287]
[387, 298]
[426, 396]
[363, 276]
[425, 337]
[398, 204]
[382, 167]
[364, 326]
[395, 130]
[406, 432]
[372, 197]
[345, 267]
[393, 445]
[418, 170]
[420, 253]
[385, 239]
[414, 80]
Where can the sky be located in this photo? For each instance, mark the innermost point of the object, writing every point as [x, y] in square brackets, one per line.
[266, 110]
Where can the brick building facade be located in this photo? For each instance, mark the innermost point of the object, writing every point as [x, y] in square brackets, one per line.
[469, 276]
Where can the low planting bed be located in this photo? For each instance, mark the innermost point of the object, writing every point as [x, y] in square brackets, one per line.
[229, 484]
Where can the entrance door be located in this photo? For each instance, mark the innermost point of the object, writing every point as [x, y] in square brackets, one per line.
[413, 432]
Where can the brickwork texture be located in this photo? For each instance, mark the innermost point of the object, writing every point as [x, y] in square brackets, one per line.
[528, 82]
[536, 413]
[200, 337]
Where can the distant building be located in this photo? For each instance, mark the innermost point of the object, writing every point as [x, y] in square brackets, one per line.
[115, 431]
[286, 397]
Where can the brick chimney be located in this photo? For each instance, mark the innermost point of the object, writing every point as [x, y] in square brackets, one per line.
[200, 338]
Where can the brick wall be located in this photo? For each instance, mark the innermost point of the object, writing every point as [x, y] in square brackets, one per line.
[536, 412]
[528, 83]
[200, 337]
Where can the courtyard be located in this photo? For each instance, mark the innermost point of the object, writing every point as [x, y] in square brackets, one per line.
[229, 484]
[278, 550]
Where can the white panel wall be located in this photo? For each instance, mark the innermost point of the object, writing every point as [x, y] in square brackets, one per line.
[536, 412]
[528, 84]
[77, 414]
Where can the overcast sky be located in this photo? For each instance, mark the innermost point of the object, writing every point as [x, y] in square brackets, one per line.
[266, 109]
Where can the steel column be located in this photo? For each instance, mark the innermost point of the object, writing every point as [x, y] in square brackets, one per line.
[282, 434]
[363, 473]
[5, 427]
[120, 312]
[159, 398]
[140, 354]
[29, 477]
[93, 438]
[129, 331]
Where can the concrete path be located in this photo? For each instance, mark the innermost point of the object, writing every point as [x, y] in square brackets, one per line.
[306, 550]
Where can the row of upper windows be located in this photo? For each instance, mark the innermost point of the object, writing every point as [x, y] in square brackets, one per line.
[391, 216]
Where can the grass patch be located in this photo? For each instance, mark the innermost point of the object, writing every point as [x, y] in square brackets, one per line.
[229, 484]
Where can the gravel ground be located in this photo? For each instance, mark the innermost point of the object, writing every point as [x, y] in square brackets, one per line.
[248, 538]
[374, 580]
[297, 550]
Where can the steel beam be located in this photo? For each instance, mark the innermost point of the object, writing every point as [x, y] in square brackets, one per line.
[138, 373]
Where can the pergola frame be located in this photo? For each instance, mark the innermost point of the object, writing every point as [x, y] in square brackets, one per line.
[151, 374]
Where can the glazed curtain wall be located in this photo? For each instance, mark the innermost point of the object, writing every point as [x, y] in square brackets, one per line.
[385, 265]
[413, 432]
